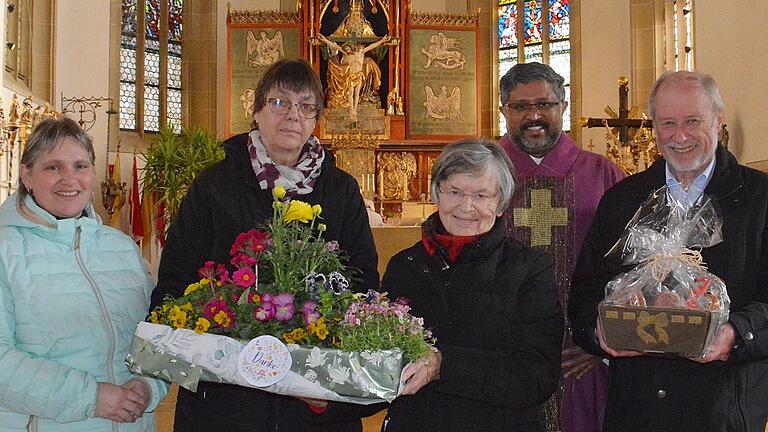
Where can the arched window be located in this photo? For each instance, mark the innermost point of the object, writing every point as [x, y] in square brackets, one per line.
[150, 65]
[527, 35]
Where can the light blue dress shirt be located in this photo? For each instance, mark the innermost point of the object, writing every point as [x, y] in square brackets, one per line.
[687, 197]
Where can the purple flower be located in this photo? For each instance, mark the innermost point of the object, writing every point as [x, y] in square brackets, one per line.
[284, 306]
[265, 312]
[337, 283]
[311, 314]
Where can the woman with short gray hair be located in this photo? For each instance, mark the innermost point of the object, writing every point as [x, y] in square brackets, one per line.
[489, 300]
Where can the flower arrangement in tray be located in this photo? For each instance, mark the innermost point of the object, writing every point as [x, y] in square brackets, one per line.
[288, 282]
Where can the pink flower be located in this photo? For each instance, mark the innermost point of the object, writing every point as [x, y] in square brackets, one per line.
[311, 314]
[243, 260]
[244, 277]
[332, 246]
[285, 308]
[223, 274]
[251, 243]
[265, 312]
[213, 312]
[206, 271]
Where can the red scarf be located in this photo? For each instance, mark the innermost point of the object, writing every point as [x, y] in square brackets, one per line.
[447, 243]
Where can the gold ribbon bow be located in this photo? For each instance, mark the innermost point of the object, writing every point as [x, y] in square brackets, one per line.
[658, 321]
[661, 265]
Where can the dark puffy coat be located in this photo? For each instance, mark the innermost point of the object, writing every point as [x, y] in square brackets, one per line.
[223, 202]
[674, 394]
[498, 326]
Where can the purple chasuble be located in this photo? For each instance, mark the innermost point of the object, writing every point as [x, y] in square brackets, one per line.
[551, 210]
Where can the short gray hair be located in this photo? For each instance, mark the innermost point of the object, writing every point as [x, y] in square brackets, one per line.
[475, 156]
[707, 83]
[524, 73]
[46, 136]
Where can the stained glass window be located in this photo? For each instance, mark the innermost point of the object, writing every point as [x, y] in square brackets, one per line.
[553, 48]
[173, 96]
[128, 66]
[152, 18]
[160, 84]
[507, 20]
[532, 21]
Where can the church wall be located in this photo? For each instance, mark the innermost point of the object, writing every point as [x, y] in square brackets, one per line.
[605, 56]
[221, 49]
[727, 45]
[81, 65]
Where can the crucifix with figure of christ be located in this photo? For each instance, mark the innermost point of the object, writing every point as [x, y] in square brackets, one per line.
[623, 148]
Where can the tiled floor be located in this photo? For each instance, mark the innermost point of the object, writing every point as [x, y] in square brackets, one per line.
[166, 408]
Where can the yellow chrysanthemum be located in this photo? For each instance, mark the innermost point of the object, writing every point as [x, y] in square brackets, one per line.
[316, 209]
[202, 325]
[278, 192]
[154, 318]
[298, 211]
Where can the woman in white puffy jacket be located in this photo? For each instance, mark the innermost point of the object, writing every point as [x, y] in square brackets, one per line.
[71, 293]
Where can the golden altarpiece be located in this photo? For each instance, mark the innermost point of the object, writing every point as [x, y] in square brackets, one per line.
[15, 126]
[399, 85]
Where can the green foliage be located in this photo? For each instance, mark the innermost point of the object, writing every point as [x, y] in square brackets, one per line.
[172, 163]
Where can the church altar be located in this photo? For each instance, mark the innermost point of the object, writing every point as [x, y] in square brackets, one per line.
[399, 84]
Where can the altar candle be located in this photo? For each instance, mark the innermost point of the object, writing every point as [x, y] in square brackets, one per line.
[381, 185]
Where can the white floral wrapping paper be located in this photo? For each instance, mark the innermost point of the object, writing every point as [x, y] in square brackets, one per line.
[184, 357]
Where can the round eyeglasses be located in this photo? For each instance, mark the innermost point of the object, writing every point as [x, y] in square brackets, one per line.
[282, 106]
[455, 197]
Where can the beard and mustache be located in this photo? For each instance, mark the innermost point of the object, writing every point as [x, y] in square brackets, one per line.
[539, 146]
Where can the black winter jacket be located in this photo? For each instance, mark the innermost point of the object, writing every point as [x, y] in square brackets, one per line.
[650, 393]
[224, 201]
[498, 326]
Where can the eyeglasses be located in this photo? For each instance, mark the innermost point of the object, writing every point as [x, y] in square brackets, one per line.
[282, 106]
[456, 197]
[540, 107]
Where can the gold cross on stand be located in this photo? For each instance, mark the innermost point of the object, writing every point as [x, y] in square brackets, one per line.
[623, 122]
[541, 217]
[623, 149]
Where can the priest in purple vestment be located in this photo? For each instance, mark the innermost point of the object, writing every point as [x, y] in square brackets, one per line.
[559, 187]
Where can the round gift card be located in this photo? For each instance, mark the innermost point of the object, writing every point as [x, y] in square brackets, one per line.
[264, 361]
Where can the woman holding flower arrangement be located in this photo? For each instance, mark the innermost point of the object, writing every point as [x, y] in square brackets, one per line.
[71, 293]
[489, 300]
[235, 196]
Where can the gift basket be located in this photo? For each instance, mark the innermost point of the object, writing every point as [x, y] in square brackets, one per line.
[285, 320]
[668, 303]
